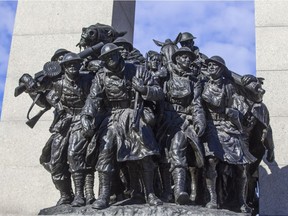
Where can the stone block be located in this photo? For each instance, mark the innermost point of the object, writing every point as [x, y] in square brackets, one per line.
[271, 48]
[58, 17]
[21, 145]
[271, 13]
[275, 97]
[25, 190]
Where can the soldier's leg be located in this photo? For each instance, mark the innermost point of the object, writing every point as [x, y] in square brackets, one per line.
[164, 167]
[137, 194]
[179, 168]
[76, 158]
[211, 177]
[59, 169]
[124, 175]
[117, 186]
[192, 177]
[148, 169]
[242, 188]
[89, 186]
[105, 167]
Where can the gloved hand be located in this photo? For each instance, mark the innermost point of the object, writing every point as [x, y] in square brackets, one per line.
[138, 85]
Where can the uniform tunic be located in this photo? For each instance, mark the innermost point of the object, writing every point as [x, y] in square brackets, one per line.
[112, 95]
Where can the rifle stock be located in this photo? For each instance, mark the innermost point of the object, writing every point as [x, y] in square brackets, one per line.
[138, 103]
[19, 90]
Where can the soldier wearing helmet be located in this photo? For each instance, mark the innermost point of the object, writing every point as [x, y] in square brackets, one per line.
[187, 40]
[114, 91]
[127, 47]
[65, 151]
[128, 52]
[223, 138]
[59, 54]
[155, 67]
[183, 121]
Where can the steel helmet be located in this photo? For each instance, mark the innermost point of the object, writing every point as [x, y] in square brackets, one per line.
[71, 57]
[107, 49]
[123, 42]
[181, 51]
[186, 36]
[58, 53]
[216, 59]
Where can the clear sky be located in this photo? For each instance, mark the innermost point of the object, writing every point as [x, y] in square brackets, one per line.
[224, 28]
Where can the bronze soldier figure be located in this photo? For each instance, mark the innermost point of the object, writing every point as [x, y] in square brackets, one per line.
[223, 137]
[123, 135]
[183, 121]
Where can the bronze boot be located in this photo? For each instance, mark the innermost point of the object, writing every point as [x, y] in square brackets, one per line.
[66, 192]
[104, 191]
[151, 198]
[241, 184]
[78, 179]
[89, 187]
[211, 186]
[179, 177]
[166, 195]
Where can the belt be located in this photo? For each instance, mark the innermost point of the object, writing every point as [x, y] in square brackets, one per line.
[218, 116]
[72, 111]
[117, 104]
[178, 108]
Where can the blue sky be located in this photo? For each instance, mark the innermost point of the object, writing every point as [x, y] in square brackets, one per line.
[7, 14]
[224, 28]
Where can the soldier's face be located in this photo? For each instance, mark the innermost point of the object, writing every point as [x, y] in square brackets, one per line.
[124, 53]
[72, 69]
[258, 97]
[154, 62]
[112, 60]
[215, 70]
[188, 43]
[184, 61]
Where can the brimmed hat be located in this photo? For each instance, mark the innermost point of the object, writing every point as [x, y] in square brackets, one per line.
[181, 51]
[216, 59]
[58, 53]
[71, 57]
[186, 36]
[219, 60]
[123, 42]
[107, 49]
[152, 53]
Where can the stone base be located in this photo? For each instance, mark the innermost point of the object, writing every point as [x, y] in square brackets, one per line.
[137, 210]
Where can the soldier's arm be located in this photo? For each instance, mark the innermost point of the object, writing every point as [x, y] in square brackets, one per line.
[198, 113]
[154, 91]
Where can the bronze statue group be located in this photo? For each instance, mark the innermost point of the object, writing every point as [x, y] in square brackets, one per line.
[174, 126]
